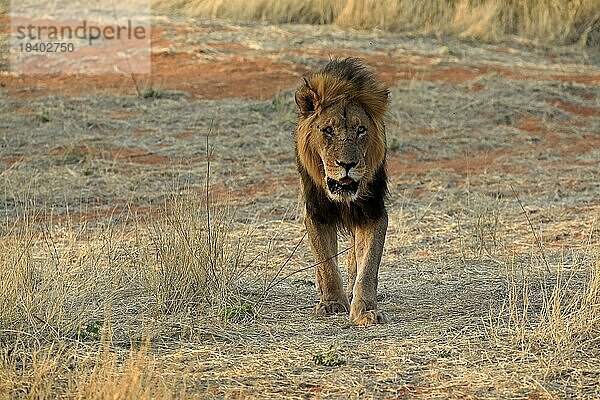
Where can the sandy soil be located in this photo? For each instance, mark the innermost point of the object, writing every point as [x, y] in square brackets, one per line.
[473, 129]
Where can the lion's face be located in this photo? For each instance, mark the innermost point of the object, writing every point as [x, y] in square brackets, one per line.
[341, 148]
[340, 133]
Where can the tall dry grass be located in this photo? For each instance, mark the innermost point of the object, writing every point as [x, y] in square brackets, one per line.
[543, 21]
[305, 11]
[64, 370]
[556, 315]
[80, 305]
[200, 262]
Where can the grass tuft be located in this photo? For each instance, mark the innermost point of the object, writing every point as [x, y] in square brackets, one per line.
[91, 331]
[238, 313]
[152, 93]
[199, 261]
[330, 358]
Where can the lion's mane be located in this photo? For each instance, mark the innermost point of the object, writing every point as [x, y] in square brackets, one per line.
[343, 80]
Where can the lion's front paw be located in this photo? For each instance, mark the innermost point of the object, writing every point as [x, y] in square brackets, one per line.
[368, 317]
[330, 307]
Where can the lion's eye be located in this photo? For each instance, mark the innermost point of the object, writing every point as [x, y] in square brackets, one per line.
[328, 130]
[361, 130]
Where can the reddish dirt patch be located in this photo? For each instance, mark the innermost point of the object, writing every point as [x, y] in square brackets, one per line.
[4, 24]
[236, 78]
[159, 37]
[123, 114]
[23, 110]
[531, 125]
[477, 87]
[393, 70]
[136, 155]
[184, 135]
[455, 74]
[585, 79]
[32, 86]
[536, 126]
[426, 131]
[121, 154]
[409, 164]
[139, 133]
[234, 47]
[475, 164]
[537, 74]
[587, 96]
[267, 187]
[574, 108]
[578, 122]
[191, 72]
[428, 68]
[567, 145]
[580, 146]
[13, 160]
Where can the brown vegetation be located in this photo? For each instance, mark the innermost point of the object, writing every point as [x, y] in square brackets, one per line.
[547, 21]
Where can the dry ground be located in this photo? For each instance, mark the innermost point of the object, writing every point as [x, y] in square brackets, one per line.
[491, 272]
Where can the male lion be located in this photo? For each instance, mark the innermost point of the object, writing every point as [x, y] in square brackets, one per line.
[340, 152]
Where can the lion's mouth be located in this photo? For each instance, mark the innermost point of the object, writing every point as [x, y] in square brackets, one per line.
[345, 186]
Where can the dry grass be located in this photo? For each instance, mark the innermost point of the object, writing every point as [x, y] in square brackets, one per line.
[81, 309]
[545, 22]
[199, 260]
[112, 287]
[92, 371]
[101, 318]
[131, 308]
[554, 315]
[308, 12]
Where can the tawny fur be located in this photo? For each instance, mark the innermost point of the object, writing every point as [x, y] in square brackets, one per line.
[347, 99]
[331, 87]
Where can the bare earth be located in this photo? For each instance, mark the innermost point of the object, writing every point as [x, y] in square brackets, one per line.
[474, 131]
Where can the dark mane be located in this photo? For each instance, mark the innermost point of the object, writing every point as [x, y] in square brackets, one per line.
[352, 70]
[364, 210]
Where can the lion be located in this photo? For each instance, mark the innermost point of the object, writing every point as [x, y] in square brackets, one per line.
[340, 153]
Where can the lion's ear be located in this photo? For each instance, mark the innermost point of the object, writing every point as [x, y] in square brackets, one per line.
[307, 100]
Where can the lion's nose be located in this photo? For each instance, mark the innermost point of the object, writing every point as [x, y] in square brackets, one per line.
[347, 166]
